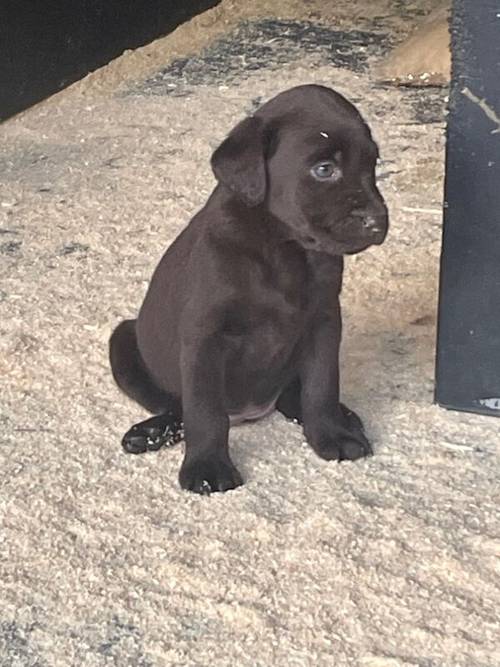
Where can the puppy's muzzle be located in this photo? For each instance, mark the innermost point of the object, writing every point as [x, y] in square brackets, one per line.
[373, 225]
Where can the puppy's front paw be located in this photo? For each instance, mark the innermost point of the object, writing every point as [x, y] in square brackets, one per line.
[342, 442]
[346, 441]
[352, 419]
[206, 476]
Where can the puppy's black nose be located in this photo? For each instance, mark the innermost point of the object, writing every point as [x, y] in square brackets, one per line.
[373, 223]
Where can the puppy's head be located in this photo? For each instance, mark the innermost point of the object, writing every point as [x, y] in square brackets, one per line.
[308, 157]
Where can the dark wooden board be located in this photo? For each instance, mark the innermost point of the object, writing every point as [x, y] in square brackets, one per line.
[468, 350]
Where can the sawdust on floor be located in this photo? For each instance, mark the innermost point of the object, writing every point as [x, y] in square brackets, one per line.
[389, 562]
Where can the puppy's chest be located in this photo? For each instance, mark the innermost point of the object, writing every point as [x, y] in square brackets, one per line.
[260, 344]
[274, 318]
[267, 322]
[278, 296]
[277, 301]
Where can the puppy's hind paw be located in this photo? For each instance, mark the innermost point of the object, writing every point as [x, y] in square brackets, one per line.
[152, 434]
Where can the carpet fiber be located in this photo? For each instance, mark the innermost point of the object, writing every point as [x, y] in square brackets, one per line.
[388, 562]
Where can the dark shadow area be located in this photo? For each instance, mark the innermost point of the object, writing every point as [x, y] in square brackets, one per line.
[48, 45]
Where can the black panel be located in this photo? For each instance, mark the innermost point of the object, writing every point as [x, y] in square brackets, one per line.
[48, 44]
[468, 355]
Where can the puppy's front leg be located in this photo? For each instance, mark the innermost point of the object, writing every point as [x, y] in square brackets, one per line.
[332, 430]
[207, 466]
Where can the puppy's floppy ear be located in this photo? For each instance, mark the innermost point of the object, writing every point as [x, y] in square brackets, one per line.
[239, 162]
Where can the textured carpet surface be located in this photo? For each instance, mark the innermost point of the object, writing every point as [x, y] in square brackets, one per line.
[389, 562]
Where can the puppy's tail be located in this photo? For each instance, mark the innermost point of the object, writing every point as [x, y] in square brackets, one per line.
[132, 376]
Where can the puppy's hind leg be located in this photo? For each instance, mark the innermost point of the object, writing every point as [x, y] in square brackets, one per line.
[133, 378]
[288, 402]
[130, 372]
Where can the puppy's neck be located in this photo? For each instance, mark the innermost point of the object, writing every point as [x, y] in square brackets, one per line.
[255, 224]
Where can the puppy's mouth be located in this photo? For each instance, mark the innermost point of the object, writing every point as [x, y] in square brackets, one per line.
[357, 248]
[325, 243]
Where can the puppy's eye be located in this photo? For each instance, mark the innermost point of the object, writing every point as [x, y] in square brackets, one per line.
[326, 171]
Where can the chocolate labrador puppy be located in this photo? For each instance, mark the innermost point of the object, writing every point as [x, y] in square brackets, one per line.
[242, 315]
